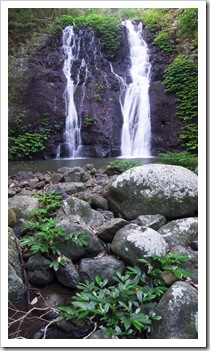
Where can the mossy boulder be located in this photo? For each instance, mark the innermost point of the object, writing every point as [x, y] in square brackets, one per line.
[150, 189]
[11, 217]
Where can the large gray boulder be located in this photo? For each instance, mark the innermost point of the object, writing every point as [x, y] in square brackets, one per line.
[74, 251]
[180, 232]
[154, 188]
[74, 206]
[104, 267]
[23, 203]
[39, 271]
[133, 242]
[68, 275]
[107, 231]
[179, 311]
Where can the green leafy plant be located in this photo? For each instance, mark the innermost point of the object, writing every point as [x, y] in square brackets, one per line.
[88, 121]
[128, 307]
[47, 236]
[188, 22]
[169, 262]
[116, 309]
[164, 42]
[26, 145]
[183, 158]
[61, 260]
[97, 97]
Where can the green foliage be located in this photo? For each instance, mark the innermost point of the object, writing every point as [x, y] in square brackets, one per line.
[26, 145]
[97, 97]
[100, 87]
[88, 121]
[124, 165]
[188, 22]
[153, 18]
[169, 262]
[181, 77]
[127, 308]
[61, 260]
[184, 159]
[107, 28]
[47, 237]
[164, 42]
[117, 309]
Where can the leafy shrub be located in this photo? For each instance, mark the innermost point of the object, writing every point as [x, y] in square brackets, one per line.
[164, 42]
[107, 28]
[184, 159]
[127, 308]
[188, 22]
[88, 121]
[26, 145]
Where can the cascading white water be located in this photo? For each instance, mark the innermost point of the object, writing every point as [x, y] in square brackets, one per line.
[72, 135]
[136, 130]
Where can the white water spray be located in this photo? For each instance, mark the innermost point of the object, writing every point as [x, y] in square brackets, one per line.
[136, 131]
[72, 134]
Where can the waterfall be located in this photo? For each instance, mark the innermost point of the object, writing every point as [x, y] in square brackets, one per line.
[71, 147]
[136, 130]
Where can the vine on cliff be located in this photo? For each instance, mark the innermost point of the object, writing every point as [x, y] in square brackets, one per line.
[181, 77]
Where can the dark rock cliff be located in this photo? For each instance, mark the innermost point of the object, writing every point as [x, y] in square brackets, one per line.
[37, 84]
[165, 124]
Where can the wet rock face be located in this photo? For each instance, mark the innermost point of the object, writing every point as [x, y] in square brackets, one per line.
[165, 124]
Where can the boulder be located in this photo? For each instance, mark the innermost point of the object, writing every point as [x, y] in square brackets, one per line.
[154, 188]
[68, 187]
[23, 203]
[24, 175]
[74, 206]
[39, 271]
[180, 232]
[13, 254]
[74, 251]
[76, 174]
[16, 287]
[151, 221]
[133, 242]
[100, 334]
[108, 230]
[104, 267]
[11, 217]
[68, 275]
[179, 311]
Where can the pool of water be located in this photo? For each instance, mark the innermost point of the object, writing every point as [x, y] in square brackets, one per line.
[54, 165]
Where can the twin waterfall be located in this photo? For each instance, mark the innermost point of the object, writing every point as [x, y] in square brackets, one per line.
[134, 97]
[136, 131]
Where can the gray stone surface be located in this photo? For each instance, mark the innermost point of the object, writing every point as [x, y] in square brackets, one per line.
[104, 267]
[38, 270]
[154, 188]
[133, 242]
[23, 203]
[74, 206]
[74, 251]
[180, 232]
[68, 275]
[16, 287]
[179, 311]
[108, 230]
[151, 221]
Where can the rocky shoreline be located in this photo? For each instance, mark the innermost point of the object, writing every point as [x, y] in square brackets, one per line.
[147, 210]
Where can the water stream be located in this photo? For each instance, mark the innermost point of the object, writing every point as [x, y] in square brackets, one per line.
[136, 131]
[72, 145]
